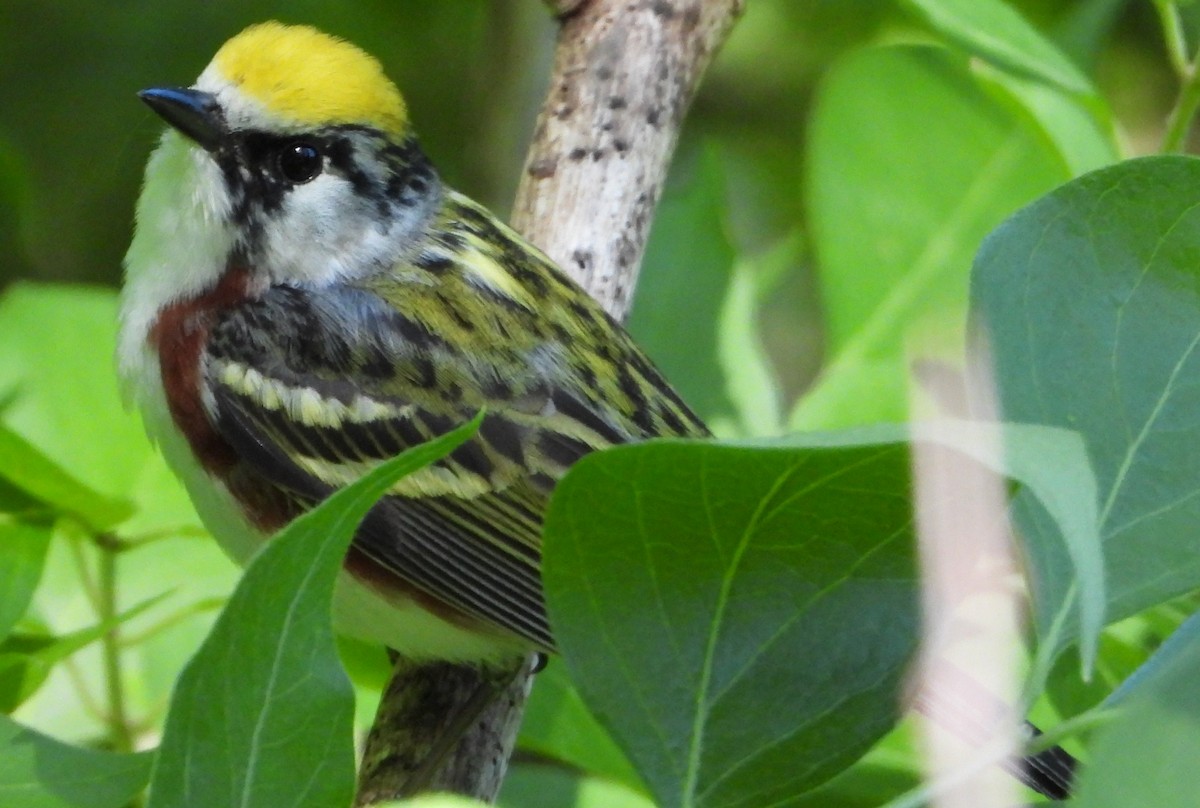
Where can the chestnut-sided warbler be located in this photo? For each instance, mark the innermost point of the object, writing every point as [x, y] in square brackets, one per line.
[304, 298]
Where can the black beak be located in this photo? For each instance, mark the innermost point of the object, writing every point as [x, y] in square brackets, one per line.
[196, 114]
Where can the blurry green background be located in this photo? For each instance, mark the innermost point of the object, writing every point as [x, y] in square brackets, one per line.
[74, 138]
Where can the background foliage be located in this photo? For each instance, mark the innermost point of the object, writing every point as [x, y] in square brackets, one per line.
[836, 179]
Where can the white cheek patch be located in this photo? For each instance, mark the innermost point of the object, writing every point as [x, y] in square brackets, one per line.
[325, 232]
[302, 240]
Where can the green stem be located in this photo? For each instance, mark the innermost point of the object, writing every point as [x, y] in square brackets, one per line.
[1180, 121]
[118, 721]
[134, 542]
[90, 589]
[200, 606]
[1096, 717]
[1168, 15]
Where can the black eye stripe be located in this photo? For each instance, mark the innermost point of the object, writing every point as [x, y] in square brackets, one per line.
[291, 160]
[299, 161]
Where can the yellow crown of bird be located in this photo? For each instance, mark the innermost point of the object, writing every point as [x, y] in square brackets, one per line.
[309, 77]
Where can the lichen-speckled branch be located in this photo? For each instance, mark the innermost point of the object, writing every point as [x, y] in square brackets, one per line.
[624, 74]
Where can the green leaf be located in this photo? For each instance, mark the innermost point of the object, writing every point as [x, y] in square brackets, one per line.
[40, 772]
[540, 786]
[56, 352]
[1147, 756]
[898, 218]
[993, 30]
[24, 670]
[751, 382]
[558, 726]
[22, 555]
[1080, 131]
[1090, 301]
[30, 470]
[262, 715]
[687, 268]
[738, 617]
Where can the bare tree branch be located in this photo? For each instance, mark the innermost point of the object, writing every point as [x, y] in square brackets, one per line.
[624, 75]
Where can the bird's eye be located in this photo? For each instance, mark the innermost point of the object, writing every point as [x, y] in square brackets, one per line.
[299, 162]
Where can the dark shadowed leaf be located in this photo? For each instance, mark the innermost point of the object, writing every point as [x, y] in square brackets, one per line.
[739, 618]
[558, 726]
[542, 786]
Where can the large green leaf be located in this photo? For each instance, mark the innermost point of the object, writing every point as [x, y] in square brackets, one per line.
[911, 164]
[993, 30]
[262, 716]
[725, 608]
[40, 772]
[738, 617]
[1091, 298]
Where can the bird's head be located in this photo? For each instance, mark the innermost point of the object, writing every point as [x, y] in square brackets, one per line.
[291, 157]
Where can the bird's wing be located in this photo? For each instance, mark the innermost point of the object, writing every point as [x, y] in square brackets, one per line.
[313, 390]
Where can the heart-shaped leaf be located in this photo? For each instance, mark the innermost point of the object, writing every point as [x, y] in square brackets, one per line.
[1091, 302]
[739, 618]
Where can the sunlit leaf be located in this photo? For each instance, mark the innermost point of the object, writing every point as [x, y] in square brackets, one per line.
[22, 555]
[993, 30]
[26, 661]
[56, 354]
[899, 208]
[29, 469]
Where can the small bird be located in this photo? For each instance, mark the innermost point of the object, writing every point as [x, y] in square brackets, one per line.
[305, 298]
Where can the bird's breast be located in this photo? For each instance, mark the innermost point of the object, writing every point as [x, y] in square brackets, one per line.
[179, 336]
